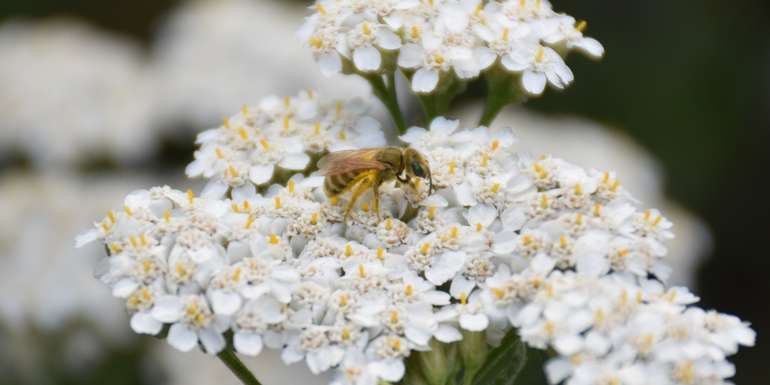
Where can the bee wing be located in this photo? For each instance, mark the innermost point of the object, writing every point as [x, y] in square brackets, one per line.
[341, 162]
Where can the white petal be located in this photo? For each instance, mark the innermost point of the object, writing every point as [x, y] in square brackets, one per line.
[319, 361]
[542, 264]
[434, 200]
[243, 193]
[443, 126]
[564, 73]
[270, 309]
[195, 169]
[144, 323]
[447, 334]
[464, 195]
[295, 161]
[255, 291]
[568, 345]
[485, 57]
[513, 219]
[225, 302]
[124, 288]
[87, 237]
[247, 343]
[387, 39]
[435, 297]
[511, 64]
[528, 315]
[474, 322]
[261, 174]
[182, 337]
[410, 56]
[413, 134]
[461, 286]
[389, 370]
[367, 58]
[285, 274]
[481, 214]
[212, 341]
[215, 189]
[590, 47]
[330, 63]
[504, 243]
[533, 82]
[557, 370]
[590, 252]
[417, 335]
[290, 355]
[592, 264]
[424, 80]
[455, 19]
[204, 254]
[445, 268]
[281, 291]
[168, 309]
[237, 250]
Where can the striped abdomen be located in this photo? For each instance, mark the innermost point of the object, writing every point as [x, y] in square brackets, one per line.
[336, 184]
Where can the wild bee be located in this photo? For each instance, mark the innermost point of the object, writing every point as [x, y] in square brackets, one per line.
[359, 170]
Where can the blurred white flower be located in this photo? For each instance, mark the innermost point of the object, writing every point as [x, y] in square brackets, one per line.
[71, 93]
[51, 208]
[211, 55]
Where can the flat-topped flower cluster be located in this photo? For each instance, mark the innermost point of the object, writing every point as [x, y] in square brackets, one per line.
[559, 252]
[431, 40]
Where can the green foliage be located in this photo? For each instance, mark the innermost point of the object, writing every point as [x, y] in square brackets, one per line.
[504, 363]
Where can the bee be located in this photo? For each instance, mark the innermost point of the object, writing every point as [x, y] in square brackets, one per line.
[359, 170]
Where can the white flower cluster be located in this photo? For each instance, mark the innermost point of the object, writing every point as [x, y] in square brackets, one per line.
[280, 133]
[113, 100]
[591, 144]
[204, 34]
[40, 206]
[617, 330]
[434, 39]
[71, 92]
[557, 251]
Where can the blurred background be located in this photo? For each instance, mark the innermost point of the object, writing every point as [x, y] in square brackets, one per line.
[100, 98]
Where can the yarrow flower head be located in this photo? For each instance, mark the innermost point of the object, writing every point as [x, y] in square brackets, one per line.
[506, 241]
[435, 42]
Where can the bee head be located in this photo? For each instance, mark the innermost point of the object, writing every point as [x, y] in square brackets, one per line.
[416, 165]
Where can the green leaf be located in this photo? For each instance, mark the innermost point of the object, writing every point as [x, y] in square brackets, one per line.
[503, 363]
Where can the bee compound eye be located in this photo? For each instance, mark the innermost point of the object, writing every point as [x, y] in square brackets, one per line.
[418, 170]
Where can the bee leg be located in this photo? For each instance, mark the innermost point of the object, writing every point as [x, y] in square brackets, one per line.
[360, 188]
[376, 192]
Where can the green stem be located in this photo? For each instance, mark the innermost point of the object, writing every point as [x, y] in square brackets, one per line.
[429, 107]
[502, 90]
[473, 351]
[438, 365]
[388, 96]
[398, 117]
[237, 367]
[496, 101]
[437, 103]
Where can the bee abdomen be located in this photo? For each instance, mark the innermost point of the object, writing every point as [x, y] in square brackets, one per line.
[336, 184]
